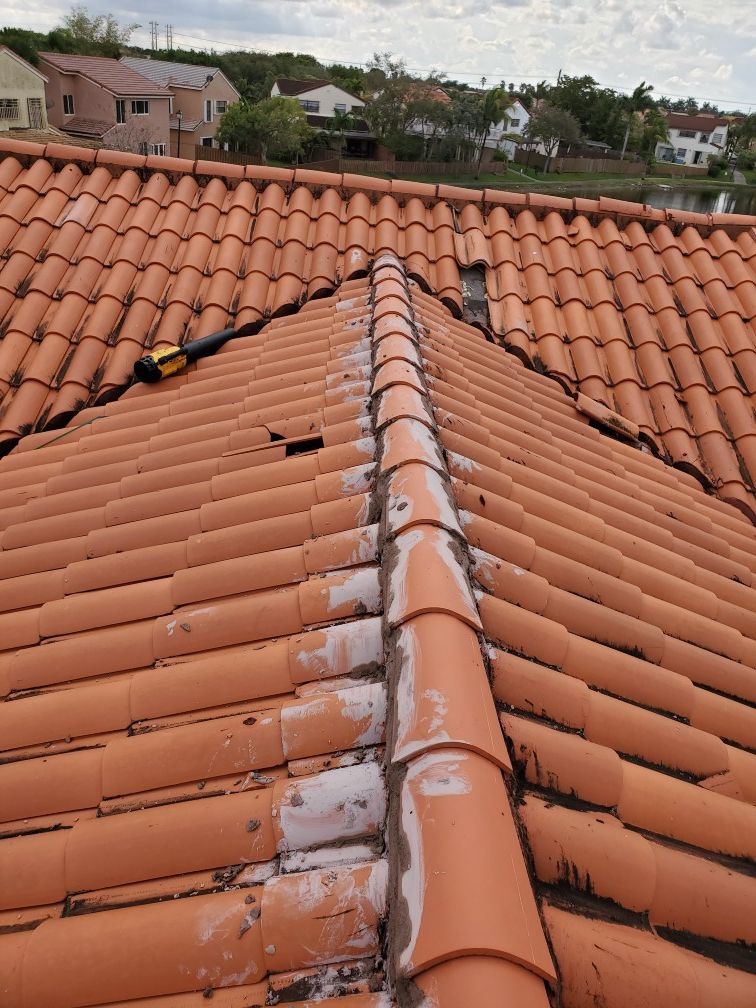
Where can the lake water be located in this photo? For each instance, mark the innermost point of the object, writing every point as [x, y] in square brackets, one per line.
[702, 200]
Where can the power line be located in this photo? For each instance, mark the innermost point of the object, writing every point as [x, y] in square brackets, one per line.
[475, 75]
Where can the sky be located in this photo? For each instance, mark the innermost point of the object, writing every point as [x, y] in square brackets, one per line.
[682, 47]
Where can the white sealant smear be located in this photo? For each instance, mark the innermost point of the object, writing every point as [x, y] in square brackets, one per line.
[360, 586]
[461, 463]
[366, 704]
[347, 647]
[436, 489]
[358, 479]
[334, 805]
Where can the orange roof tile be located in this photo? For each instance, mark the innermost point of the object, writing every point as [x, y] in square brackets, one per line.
[335, 667]
[649, 314]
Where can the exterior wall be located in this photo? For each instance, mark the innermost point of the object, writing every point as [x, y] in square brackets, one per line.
[189, 141]
[327, 97]
[191, 103]
[21, 83]
[93, 102]
[90, 100]
[149, 129]
[683, 150]
[516, 114]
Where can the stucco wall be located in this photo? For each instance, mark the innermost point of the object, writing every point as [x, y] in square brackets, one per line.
[21, 83]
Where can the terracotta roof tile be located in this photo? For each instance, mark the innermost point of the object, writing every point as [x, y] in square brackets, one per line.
[649, 317]
[366, 593]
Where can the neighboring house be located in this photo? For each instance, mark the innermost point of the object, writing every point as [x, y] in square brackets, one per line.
[92, 96]
[514, 122]
[22, 93]
[317, 97]
[200, 96]
[321, 101]
[692, 138]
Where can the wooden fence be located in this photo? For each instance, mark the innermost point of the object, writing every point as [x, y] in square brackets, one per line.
[679, 170]
[590, 165]
[402, 169]
[226, 157]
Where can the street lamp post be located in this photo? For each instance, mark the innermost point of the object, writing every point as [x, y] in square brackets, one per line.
[179, 116]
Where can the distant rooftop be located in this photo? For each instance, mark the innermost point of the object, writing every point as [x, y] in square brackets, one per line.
[166, 73]
[111, 74]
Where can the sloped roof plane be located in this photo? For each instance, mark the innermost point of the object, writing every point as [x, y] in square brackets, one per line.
[649, 313]
[167, 73]
[111, 74]
[357, 665]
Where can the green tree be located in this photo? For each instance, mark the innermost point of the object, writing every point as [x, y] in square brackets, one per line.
[548, 125]
[433, 118]
[638, 101]
[648, 131]
[274, 127]
[493, 109]
[24, 43]
[389, 113]
[91, 35]
[336, 128]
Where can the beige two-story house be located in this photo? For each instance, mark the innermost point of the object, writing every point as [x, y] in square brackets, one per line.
[92, 96]
[22, 93]
[200, 95]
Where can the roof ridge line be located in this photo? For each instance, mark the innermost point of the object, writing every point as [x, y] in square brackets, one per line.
[622, 212]
[445, 749]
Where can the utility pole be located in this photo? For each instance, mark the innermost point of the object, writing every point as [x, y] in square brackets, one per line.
[559, 77]
[153, 35]
[169, 37]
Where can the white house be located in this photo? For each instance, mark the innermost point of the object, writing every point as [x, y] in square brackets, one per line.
[514, 121]
[317, 97]
[692, 138]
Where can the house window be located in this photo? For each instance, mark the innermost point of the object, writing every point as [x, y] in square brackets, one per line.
[356, 108]
[140, 107]
[514, 123]
[207, 141]
[718, 139]
[158, 149]
[143, 148]
[220, 107]
[8, 108]
[704, 138]
[340, 108]
[208, 110]
[680, 153]
[687, 134]
[68, 104]
[120, 110]
[309, 106]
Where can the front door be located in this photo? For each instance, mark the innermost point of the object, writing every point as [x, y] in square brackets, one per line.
[34, 107]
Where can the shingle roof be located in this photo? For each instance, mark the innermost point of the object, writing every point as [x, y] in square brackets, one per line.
[250, 741]
[649, 312]
[166, 73]
[88, 127]
[111, 74]
[679, 120]
[290, 86]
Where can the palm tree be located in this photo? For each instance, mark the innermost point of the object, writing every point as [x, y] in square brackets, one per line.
[638, 101]
[338, 125]
[495, 105]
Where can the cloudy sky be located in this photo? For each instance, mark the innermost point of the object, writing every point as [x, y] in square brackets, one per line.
[683, 47]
